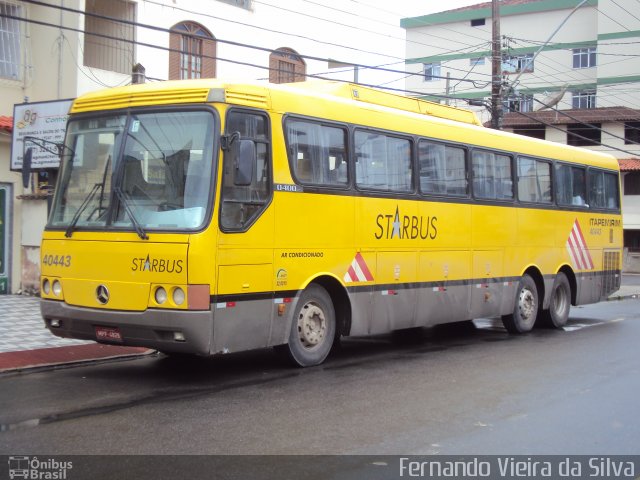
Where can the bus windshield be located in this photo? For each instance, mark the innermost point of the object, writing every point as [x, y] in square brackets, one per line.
[141, 171]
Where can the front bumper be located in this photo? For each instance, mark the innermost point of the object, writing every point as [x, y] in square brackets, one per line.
[152, 328]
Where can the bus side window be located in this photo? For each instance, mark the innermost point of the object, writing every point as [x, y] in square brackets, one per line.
[492, 177]
[383, 162]
[611, 191]
[317, 152]
[534, 180]
[603, 190]
[571, 185]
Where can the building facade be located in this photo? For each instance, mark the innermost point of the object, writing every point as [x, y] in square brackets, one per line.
[569, 73]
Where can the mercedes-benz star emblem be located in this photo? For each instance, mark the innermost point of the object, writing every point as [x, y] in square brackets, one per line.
[102, 294]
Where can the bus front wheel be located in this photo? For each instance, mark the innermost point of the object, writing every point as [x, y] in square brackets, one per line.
[560, 303]
[525, 309]
[313, 327]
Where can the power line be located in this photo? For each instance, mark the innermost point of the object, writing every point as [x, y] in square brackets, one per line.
[333, 22]
[262, 67]
[165, 30]
[590, 140]
[448, 39]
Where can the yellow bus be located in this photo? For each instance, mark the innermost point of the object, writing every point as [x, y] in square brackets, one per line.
[206, 217]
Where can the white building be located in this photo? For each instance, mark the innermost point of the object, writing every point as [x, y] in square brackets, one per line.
[581, 56]
[64, 48]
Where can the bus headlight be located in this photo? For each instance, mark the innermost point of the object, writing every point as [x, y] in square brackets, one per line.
[160, 295]
[46, 286]
[178, 296]
[57, 288]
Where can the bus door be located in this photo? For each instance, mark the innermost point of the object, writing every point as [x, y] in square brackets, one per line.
[244, 287]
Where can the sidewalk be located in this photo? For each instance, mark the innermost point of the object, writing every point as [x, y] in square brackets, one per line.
[25, 342]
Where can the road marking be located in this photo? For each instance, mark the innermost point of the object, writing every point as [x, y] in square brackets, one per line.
[579, 326]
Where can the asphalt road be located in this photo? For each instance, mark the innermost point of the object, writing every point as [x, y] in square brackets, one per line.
[453, 390]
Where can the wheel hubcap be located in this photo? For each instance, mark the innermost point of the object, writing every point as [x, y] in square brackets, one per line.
[527, 304]
[560, 300]
[312, 325]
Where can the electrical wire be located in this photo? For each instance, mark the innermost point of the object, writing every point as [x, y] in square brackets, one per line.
[165, 30]
[590, 140]
[262, 67]
[448, 39]
[334, 22]
[246, 63]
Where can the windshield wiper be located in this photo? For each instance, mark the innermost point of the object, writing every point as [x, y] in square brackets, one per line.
[84, 205]
[125, 204]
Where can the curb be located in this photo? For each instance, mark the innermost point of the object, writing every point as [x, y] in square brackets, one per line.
[27, 360]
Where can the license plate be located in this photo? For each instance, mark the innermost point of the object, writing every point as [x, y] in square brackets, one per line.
[109, 334]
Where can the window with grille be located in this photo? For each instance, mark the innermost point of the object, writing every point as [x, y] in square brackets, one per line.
[584, 99]
[286, 66]
[9, 41]
[191, 58]
[632, 183]
[517, 64]
[631, 133]
[520, 103]
[109, 42]
[192, 52]
[535, 131]
[432, 72]
[584, 57]
[584, 135]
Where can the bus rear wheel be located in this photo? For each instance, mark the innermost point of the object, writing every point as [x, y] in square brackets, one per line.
[559, 305]
[313, 328]
[525, 309]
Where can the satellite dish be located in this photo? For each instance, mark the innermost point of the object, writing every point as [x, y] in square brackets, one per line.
[553, 99]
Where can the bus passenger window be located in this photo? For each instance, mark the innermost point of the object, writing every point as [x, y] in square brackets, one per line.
[442, 169]
[611, 191]
[317, 153]
[534, 180]
[383, 162]
[492, 179]
[603, 190]
[571, 185]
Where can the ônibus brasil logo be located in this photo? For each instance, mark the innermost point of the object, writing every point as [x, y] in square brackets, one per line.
[38, 469]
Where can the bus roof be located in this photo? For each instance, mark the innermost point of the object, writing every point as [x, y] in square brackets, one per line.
[447, 123]
[191, 91]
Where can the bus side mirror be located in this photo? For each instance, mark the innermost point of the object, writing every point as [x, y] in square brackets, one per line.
[245, 162]
[26, 167]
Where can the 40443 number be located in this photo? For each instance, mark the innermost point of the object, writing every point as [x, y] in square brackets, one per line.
[57, 260]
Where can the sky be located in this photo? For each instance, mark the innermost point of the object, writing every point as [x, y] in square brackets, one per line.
[415, 8]
[379, 31]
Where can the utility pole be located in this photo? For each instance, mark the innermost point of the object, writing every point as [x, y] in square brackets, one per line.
[496, 67]
[448, 87]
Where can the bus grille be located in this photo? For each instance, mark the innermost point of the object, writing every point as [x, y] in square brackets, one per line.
[611, 272]
[142, 98]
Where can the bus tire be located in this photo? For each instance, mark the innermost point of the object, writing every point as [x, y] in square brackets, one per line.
[313, 328]
[525, 309]
[559, 303]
